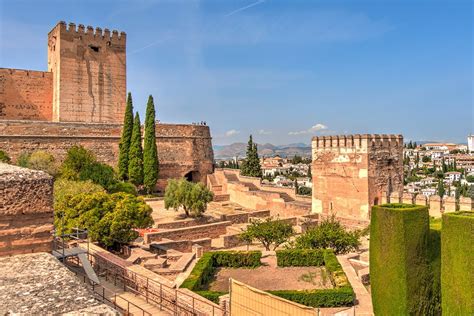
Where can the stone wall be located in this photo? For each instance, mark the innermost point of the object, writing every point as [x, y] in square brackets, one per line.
[161, 247]
[182, 149]
[26, 210]
[26, 94]
[213, 230]
[89, 73]
[351, 172]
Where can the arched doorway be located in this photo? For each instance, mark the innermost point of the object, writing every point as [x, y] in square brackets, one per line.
[193, 176]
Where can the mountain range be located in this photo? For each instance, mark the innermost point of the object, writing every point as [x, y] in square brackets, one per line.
[267, 150]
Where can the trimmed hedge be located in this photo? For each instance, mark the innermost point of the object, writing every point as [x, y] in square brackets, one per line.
[203, 272]
[400, 272]
[341, 295]
[457, 263]
[300, 257]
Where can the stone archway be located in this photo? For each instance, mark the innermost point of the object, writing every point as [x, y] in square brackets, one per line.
[193, 176]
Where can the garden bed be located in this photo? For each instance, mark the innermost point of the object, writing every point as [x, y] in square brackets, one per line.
[304, 285]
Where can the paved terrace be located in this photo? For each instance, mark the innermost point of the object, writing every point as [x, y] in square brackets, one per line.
[38, 284]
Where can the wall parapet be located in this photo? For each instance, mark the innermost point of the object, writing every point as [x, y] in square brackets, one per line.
[88, 32]
[357, 140]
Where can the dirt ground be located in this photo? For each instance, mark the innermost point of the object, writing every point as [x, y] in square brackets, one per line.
[271, 277]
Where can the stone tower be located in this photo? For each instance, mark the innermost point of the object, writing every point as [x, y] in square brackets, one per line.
[89, 74]
[352, 172]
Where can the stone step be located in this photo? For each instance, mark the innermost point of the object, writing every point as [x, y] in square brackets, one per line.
[221, 197]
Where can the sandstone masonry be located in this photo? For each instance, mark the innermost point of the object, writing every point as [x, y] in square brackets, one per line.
[351, 173]
[26, 210]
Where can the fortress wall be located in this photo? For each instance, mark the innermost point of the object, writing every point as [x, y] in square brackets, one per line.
[181, 148]
[26, 210]
[25, 94]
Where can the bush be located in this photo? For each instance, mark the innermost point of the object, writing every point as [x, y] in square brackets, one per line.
[201, 274]
[98, 173]
[40, 160]
[4, 157]
[77, 159]
[125, 187]
[66, 189]
[237, 259]
[400, 272]
[329, 234]
[213, 296]
[109, 219]
[457, 257]
[300, 257]
[22, 160]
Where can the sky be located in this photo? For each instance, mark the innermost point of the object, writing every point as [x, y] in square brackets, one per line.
[283, 71]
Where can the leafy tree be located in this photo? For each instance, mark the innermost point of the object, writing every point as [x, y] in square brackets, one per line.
[268, 232]
[150, 153]
[135, 157]
[426, 159]
[329, 234]
[251, 165]
[470, 178]
[296, 159]
[124, 147]
[99, 173]
[41, 160]
[304, 190]
[4, 157]
[109, 219]
[65, 189]
[191, 197]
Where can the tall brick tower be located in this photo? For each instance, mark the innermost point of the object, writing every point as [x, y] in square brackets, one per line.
[352, 172]
[89, 74]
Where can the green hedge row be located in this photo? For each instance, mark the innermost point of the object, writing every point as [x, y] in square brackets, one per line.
[204, 269]
[300, 257]
[401, 272]
[457, 263]
[320, 298]
[341, 295]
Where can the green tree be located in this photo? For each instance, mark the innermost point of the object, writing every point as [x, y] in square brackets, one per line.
[110, 219]
[191, 197]
[77, 159]
[309, 175]
[329, 234]
[304, 191]
[426, 159]
[150, 153]
[65, 189]
[124, 146]
[4, 157]
[441, 189]
[251, 165]
[268, 232]
[135, 157]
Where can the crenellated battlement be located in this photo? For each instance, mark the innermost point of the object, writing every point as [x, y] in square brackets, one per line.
[88, 32]
[357, 141]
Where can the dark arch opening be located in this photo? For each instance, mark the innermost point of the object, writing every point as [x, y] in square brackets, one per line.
[193, 176]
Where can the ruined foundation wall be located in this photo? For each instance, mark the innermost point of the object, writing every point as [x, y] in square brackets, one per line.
[182, 149]
[26, 210]
[351, 172]
[25, 94]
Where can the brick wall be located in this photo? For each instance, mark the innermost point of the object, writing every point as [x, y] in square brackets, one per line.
[161, 247]
[181, 148]
[189, 233]
[26, 94]
[26, 210]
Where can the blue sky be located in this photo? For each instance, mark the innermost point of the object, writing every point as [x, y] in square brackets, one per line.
[281, 70]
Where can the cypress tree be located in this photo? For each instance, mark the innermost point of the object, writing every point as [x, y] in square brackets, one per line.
[251, 165]
[135, 157]
[124, 146]
[150, 153]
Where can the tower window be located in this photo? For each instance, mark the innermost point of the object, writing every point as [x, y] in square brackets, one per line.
[94, 48]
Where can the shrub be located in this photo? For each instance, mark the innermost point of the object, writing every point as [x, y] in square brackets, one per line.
[22, 160]
[457, 257]
[66, 189]
[268, 232]
[237, 259]
[4, 157]
[400, 271]
[125, 187]
[201, 274]
[41, 160]
[319, 298]
[329, 234]
[77, 159]
[192, 197]
[109, 219]
[98, 173]
[300, 257]
[213, 296]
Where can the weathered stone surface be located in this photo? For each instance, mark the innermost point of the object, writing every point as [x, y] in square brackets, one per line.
[352, 172]
[38, 284]
[26, 210]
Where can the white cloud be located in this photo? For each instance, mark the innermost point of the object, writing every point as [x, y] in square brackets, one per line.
[313, 129]
[232, 132]
[264, 132]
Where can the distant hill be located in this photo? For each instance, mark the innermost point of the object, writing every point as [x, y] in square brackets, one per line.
[267, 150]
